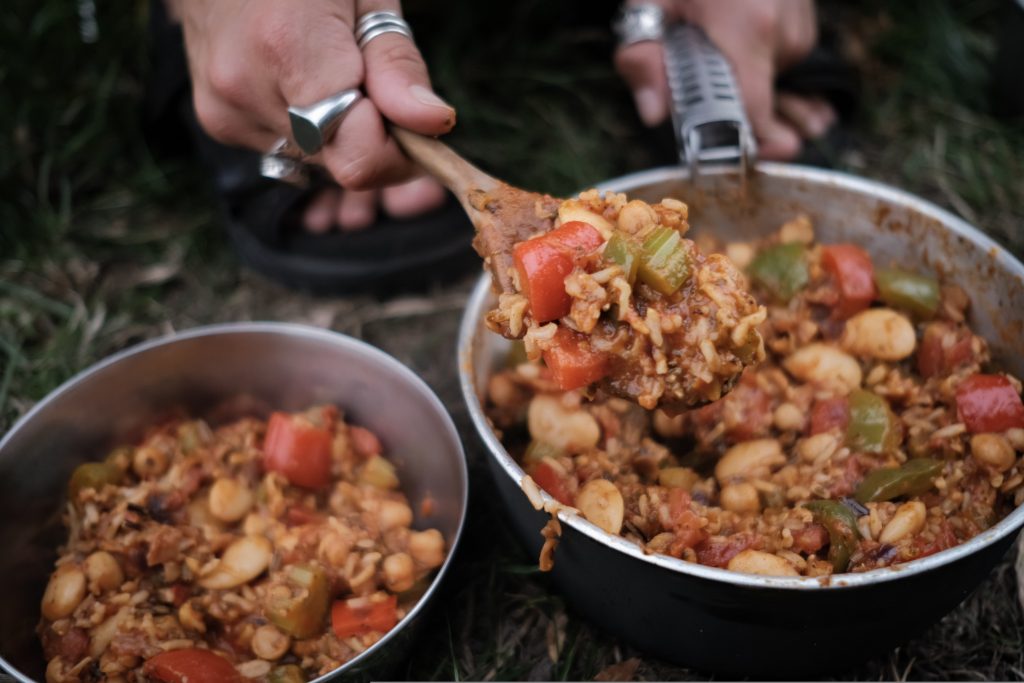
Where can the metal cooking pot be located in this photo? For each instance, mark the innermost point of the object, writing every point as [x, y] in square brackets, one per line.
[256, 367]
[714, 619]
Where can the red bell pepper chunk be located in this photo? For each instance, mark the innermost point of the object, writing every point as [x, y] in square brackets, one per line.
[364, 441]
[362, 617]
[299, 450]
[989, 403]
[573, 364]
[854, 274]
[944, 347]
[191, 665]
[547, 477]
[684, 522]
[830, 413]
[544, 263]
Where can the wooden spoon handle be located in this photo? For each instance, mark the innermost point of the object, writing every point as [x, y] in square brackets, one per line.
[442, 162]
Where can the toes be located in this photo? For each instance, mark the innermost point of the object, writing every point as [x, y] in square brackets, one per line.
[413, 198]
[319, 215]
[357, 209]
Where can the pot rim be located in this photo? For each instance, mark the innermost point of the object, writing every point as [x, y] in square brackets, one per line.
[373, 354]
[471, 323]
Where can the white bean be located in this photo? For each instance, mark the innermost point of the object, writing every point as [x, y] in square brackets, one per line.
[758, 562]
[741, 498]
[601, 503]
[230, 500]
[788, 417]
[817, 447]
[572, 431]
[572, 210]
[880, 333]
[749, 459]
[64, 592]
[825, 364]
[243, 561]
[908, 520]
[103, 571]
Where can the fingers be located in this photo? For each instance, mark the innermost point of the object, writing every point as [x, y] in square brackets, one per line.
[811, 116]
[413, 198]
[357, 209]
[321, 212]
[397, 80]
[642, 65]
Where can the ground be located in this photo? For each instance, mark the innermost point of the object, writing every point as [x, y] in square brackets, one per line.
[103, 244]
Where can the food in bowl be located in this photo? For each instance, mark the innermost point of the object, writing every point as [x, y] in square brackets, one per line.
[875, 432]
[616, 295]
[269, 550]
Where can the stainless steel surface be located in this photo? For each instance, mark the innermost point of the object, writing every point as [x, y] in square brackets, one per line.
[707, 109]
[261, 366]
[285, 162]
[639, 23]
[313, 125]
[695, 614]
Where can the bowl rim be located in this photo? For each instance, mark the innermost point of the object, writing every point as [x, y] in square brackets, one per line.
[471, 325]
[300, 330]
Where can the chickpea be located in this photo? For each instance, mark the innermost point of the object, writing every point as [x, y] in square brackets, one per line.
[427, 548]
[230, 500]
[817, 447]
[64, 592]
[740, 253]
[572, 431]
[1016, 438]
[799, 230]
[993, 451]
[787, 417]
[55, 672]
[669, 426]
[335, 548]
[393, 514]
[908, 520]
[637, 217]
[103, 572]
[269, 643]
[398, 572]
[741, 498]
[149, 462]
[504, 393]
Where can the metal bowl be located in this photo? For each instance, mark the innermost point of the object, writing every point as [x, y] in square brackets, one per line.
[257, 367]
[741, 624]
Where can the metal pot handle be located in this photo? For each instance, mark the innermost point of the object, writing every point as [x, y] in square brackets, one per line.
[707, 111]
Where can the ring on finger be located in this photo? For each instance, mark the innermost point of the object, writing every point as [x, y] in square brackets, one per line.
[313, 126]
[375, 24]
[639, 23]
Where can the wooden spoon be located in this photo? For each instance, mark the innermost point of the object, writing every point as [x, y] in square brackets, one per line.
[502, 215]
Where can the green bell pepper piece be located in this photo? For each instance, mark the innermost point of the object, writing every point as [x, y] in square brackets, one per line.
[302, 614]
[516, 354]
[289, 673]
[664, 261]
[781, 269]
[914, 293]
[538, 450]
[912, 479]
[873, 427]
[93, 475]
[841, 524]
[623, 251]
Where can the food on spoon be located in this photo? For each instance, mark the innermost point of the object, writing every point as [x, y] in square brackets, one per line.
[615, 295]
[876, 432]
[260, 550]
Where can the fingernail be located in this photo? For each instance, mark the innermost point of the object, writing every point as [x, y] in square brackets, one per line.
[428, 97]
[650, 106]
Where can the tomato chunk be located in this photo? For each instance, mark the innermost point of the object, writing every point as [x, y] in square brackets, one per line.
[544, 262]
[944, 348]
[851, 266]
[191, 665]
[359, 616]
[299, 450]
[573, 364]
[989, 403]
[548, 478]
[830, 413]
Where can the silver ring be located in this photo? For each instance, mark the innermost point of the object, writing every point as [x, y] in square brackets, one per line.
[639, 23]
[314, 125]
[284, 162]
[376, 24]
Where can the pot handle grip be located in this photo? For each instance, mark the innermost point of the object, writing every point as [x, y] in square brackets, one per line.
[708, 117]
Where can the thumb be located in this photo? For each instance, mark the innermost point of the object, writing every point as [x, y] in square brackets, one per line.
[642, 65]
[398, 83]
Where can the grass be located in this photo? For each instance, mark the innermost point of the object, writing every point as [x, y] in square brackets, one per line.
[102, 245]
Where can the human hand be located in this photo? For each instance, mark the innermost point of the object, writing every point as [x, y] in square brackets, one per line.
[251, 59]
[758, 37]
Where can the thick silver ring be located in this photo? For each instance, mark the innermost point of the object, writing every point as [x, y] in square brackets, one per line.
[284, 162]
[639, 23]
[376, 24]
[314, 125]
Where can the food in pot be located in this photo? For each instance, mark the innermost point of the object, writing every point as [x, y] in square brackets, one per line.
[260, 550]
[876, 432]
[616, 295]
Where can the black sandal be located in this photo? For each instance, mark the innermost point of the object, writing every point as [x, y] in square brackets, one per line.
[263, 216]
